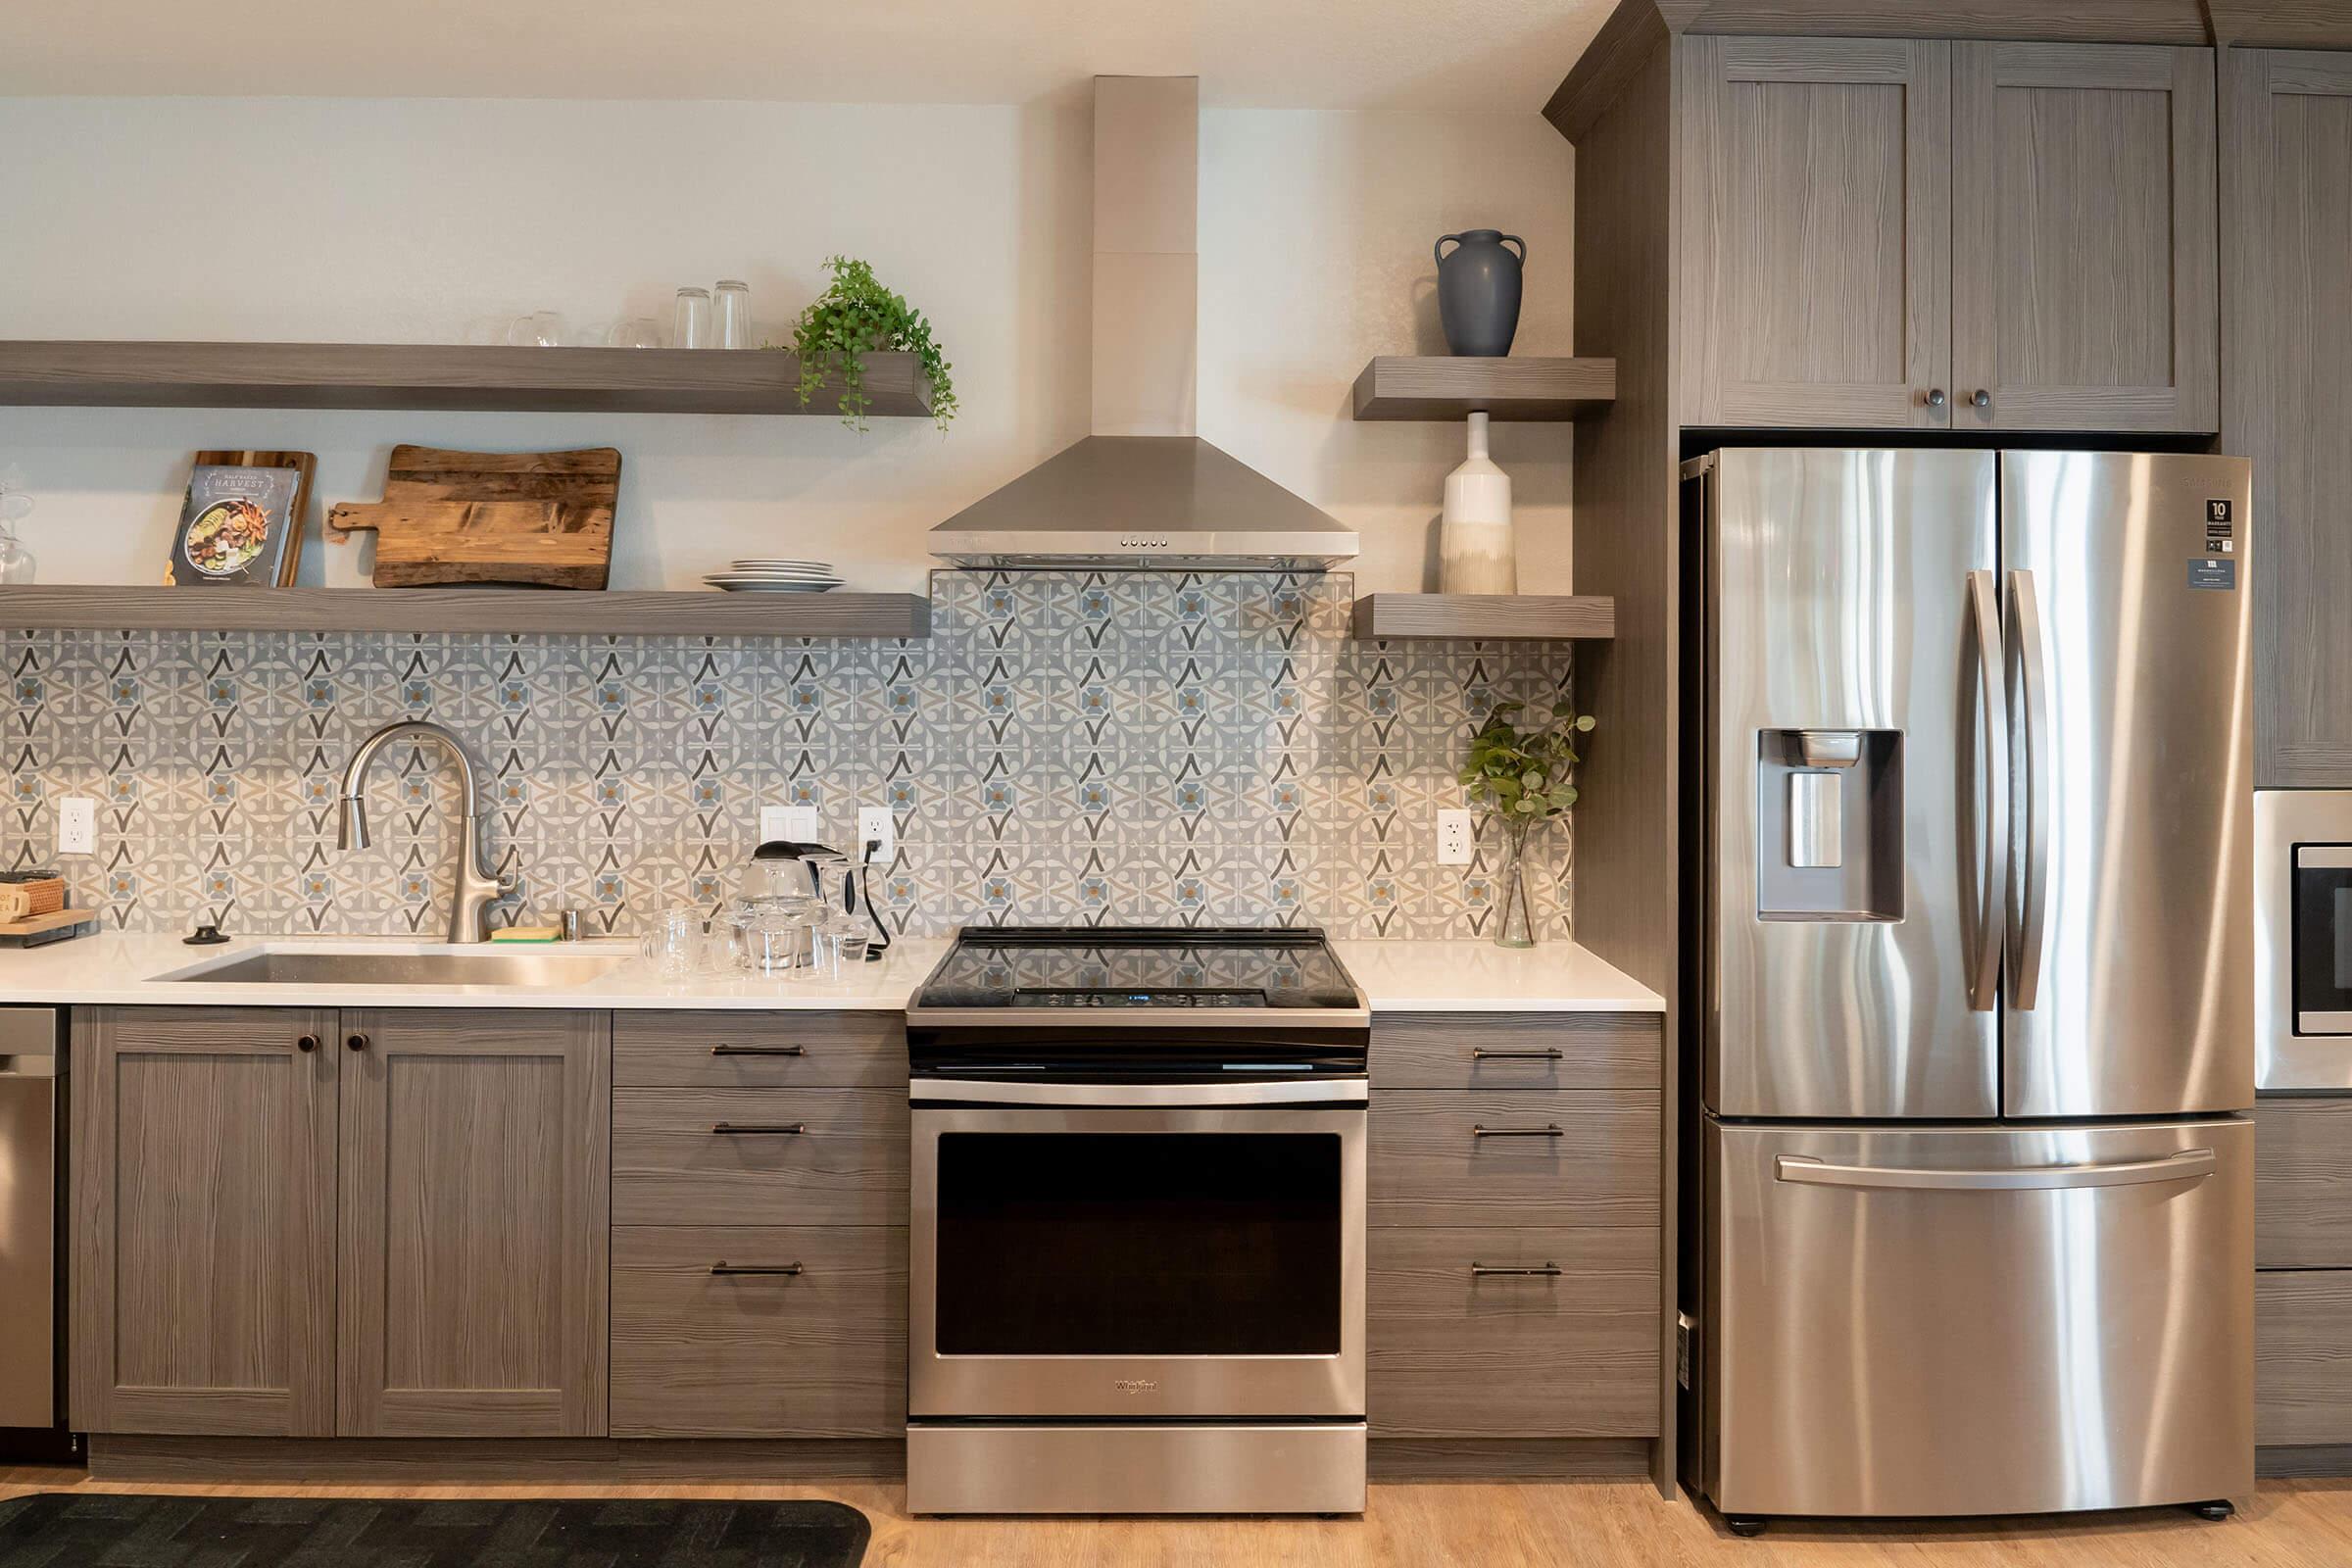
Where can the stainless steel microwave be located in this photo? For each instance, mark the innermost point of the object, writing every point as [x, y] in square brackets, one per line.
[2303, 939]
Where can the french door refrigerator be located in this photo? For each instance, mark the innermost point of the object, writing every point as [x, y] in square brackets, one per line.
[1972, 763]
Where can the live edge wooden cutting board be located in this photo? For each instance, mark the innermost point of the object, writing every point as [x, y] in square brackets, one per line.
[541, 519]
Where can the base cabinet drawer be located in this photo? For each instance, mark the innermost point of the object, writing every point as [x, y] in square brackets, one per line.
[760, 1050]
[1471, 1333]
[1574, 1158]
[809, 1341]
[760, 1157]
[1518, 1050]
[2302, 1356]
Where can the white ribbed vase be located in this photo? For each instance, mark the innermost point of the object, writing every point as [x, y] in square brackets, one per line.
[1476, 552]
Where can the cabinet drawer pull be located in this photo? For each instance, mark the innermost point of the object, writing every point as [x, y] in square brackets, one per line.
[725, 1269]
[758, 1051]
[307, 1044]
[1544, 1270]
[1482, 1053]
[357, 1041]
[732, 1129]
[1550, 1130]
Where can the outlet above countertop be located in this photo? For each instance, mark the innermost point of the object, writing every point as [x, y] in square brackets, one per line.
[125, 969]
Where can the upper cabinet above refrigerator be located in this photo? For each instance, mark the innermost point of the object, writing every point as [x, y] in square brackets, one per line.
[1906, 235]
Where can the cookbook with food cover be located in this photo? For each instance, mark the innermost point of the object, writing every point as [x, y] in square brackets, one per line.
[242, 523]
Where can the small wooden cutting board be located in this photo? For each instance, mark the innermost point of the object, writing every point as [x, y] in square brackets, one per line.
[529, 518]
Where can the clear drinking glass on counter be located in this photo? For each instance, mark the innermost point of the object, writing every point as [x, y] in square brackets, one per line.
[733, 302]
[692, 329]
[674, 944]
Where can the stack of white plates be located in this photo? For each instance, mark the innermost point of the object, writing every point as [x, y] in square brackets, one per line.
[760, 574]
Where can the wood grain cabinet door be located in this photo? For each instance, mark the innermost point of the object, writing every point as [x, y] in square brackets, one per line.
[476, 1200]
[1815, 270]
[2084, 294]
[204, 1221]
[2287, 185]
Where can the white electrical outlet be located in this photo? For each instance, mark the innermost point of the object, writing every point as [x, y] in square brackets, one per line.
[795, 824]
[77, 825]
[875, 826]
[1453, 838]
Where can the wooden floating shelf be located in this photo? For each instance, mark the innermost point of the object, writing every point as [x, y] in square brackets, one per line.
[1397, 386]
[1484, 617]
[421, 375]
[626, 613]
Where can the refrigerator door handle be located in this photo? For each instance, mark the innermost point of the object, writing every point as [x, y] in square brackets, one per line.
[2033, 881]
[1987, 918]
[2191, 1164]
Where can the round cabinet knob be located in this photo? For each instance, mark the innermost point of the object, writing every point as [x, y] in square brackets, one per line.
[1981, 398]
[1936, 399]
[357, 1041]
[307, 1044]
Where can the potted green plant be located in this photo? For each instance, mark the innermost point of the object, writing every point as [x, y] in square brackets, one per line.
[1522, 778]
[856, 315]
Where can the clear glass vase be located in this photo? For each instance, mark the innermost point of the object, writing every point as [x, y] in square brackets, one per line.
[1516, 927]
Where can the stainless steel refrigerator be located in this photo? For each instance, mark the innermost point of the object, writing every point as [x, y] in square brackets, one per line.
[1971, 773]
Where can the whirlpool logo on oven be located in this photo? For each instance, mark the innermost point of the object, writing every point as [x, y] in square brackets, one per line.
[1136, 1385]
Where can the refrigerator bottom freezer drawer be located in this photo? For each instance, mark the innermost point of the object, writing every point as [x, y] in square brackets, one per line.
[1978, 1320]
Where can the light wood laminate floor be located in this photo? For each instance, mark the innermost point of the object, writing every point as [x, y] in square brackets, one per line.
[1596, 1523]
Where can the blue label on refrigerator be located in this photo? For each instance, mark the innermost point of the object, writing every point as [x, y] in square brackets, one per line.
[2212, 571]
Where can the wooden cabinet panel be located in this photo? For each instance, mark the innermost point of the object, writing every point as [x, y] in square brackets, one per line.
[476, 1223]
[760, 1050]
[2302, 1176]
[2084, 294]
[2287, 185]
[1572, 1157]
[1815, 227]
[204, 1221]
[1454, 1354]
[1518, 1050]
[2302, 1356]
[797, 1156]
[821, 1354]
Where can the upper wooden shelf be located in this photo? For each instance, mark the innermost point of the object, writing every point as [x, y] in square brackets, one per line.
[1483, 617]
[1398, 386]
[493, 609]
[423, 375]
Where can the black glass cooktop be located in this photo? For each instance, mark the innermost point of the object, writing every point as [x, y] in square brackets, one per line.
[1117, 967]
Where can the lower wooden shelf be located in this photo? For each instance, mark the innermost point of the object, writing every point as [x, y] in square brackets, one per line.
[625, 612]
[1484, 617]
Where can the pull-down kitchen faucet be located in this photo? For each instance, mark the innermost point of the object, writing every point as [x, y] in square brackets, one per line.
[476, 887]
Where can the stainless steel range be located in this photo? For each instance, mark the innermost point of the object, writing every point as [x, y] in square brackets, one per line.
[1137, 1271]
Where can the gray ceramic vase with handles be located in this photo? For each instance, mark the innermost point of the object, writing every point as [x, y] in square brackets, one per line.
[1477, 291]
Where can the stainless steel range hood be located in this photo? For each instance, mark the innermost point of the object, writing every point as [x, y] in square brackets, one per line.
[1143, 492]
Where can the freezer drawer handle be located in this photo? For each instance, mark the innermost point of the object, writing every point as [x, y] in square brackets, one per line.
[2191, 1164]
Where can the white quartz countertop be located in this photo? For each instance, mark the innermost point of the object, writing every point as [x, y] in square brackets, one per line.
[126, 969]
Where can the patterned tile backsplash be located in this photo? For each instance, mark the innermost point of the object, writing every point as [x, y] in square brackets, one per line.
[1066, 746]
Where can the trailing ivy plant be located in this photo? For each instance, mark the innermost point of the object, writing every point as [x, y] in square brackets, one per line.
[856, 315]
[1523, 775]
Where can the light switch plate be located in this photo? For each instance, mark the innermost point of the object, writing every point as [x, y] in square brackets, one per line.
[1453, 838]
[795, 824]
[77, 825]
[875, 824]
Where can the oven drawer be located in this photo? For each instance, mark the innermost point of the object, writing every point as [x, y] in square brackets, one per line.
[821, 1354]
[1576, 1156]
[1527, 1051]
[755, 1049]
[1458, 1346]
[799, 1156]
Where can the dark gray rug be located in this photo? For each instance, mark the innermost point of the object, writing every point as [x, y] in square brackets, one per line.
[99, 1529]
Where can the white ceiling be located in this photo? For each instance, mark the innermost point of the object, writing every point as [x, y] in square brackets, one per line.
[1505, 55]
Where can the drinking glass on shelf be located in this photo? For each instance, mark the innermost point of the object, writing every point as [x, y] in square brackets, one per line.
[636, 332]
[733, 300]
[541, 329]
[693, 327]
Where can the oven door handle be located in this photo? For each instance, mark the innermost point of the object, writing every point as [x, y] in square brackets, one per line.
[1146, 1096]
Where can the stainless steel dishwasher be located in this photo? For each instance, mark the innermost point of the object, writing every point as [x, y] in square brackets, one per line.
[33, 1276]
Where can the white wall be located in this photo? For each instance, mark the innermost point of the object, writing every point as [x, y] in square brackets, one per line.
[431, 220]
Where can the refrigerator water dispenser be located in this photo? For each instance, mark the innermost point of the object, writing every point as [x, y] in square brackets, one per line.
[1829, 824]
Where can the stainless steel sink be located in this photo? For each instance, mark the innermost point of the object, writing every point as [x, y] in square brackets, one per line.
[417, 965]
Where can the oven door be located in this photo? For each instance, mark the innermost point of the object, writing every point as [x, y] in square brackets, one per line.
[2323, 926]
[1138, 1260]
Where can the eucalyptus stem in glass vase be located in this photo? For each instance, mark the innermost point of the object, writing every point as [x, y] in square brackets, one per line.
[1524, 779]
